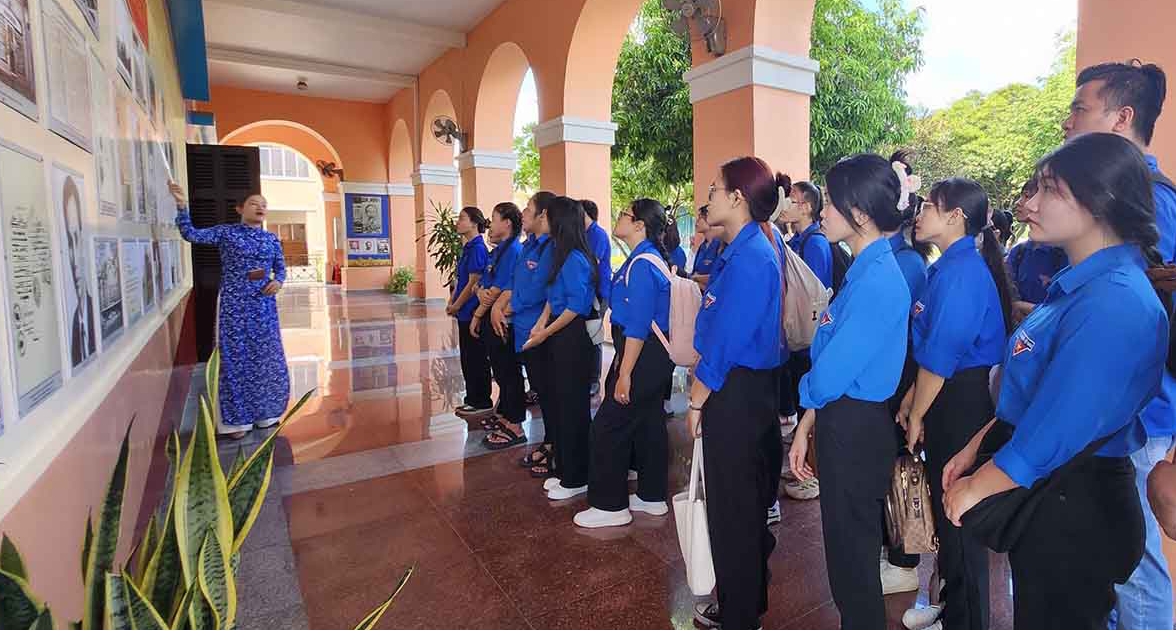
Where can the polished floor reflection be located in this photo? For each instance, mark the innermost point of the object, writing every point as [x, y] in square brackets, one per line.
[383, 476]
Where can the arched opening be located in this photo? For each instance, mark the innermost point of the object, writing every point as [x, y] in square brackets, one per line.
[498, 97]
[505, 114]
[293, 189]
[400, 154]
[592, 57]
[434, 151]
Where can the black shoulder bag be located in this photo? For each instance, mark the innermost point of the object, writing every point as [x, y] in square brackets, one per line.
[999, 521]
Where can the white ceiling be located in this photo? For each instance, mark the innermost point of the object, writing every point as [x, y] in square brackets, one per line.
[363, 50]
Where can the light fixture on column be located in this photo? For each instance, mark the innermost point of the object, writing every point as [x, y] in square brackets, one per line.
[709, 24]
[302, 85]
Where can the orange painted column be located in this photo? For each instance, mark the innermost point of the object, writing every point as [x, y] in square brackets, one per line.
[751, 101]
[402, 201]
[487, 178]
[575, 160]
[433, 188]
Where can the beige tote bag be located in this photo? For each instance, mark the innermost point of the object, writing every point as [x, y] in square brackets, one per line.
[693, 536]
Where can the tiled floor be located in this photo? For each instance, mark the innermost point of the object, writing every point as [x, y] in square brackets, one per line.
[380, 476]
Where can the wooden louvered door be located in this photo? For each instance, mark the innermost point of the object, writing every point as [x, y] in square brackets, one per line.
[219, 177]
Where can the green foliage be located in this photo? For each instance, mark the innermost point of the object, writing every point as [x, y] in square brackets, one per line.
[401, 278]
[444, 243]
[997, 138]
[865, 56]
[633, 178]
[526, 176]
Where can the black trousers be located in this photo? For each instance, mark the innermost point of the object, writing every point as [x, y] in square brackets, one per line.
[637, 431]
[570, 351]
[799, 363]
[598, 363]
[910, 370]
[475, 367]
[512, 399]
[742, 455]
[961, 409]
[1084, 538]
[855, 458]
[539, 372]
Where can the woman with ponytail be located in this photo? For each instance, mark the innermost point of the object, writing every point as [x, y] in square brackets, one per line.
[1076, 374]
[959, 328]
[507, 427]
[630, 417]
[475, 362]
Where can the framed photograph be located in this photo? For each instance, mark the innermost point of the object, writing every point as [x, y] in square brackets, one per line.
[81, 334]
[108, 267]
[133, 274]
[367, 228]
[18, 84]
[105, 140]
[68, 72]
[124, 43]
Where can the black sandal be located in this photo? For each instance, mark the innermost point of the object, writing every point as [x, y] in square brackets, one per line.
[541, 471]
[532, 398]
[529, 461]
[513, 439]
[490, 424]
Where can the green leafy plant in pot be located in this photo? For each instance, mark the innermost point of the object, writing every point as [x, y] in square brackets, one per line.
[401, 278]
[182, 574]
[444, 243]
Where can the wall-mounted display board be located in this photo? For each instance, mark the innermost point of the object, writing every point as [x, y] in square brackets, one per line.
[367, 230]
[108, 267]
[81, 325]
[33, 334]
[68, 75]
[105, 142]
[18, 82]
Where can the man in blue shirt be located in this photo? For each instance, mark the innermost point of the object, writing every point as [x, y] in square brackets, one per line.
[598, 241]
[1126, 99]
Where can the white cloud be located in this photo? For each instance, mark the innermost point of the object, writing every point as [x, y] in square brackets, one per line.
[984, 46]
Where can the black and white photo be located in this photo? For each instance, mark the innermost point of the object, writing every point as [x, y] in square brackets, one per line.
[77, 301]
[18, 83]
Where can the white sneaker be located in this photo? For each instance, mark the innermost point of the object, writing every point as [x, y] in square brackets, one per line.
[632, 475]
[803, 490]
[656, 508]
[898, 579]
[593, 518]
[550, 483]
[267, 423]
[774, 513]
[559, 492]
[923, 618]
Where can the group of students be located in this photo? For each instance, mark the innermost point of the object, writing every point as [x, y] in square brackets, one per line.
[1046, 369]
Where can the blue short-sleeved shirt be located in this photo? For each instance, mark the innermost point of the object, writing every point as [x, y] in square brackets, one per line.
[474, 258]
[861, 340]
[704, 260]
[739, 323]
[573, 288]
[644, 299]
[529, 287]
[500, 271]
[678, 259]
[1082, 365]
[1159, 417]
[601, 247]
[1033, 266]
[914, 268]
[816, 254]
[958, 324]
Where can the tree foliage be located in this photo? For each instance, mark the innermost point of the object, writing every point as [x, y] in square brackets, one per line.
[997, 138]
[526, 175]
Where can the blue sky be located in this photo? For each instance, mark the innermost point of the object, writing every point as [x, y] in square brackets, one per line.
[967, 45]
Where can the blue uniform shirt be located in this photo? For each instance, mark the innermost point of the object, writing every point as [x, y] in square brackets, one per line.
[572, 288]
[861, 340]
[646, 297]
[739, 323]
[1082, 365]
[704, 260]
[912, 265]
[474, 257]
[678, 259]
[1159, 417]
[1034, 265]
[816, 254]
[529, 287]
[601, 247]
[958, 323]
[500, 271]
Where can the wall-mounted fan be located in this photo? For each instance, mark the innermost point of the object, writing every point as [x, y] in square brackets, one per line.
[328, 169]
[707, 16]
[446, 132]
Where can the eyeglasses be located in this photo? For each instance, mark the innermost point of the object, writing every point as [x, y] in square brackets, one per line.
[632, 217]
[710, 196]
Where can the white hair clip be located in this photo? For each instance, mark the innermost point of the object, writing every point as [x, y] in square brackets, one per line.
[782, 204]
[909, 184]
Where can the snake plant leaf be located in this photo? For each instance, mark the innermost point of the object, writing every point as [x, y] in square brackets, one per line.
[238, 462]
[248, 486]
[10, 559]
[212, 383]
[44, 621]
[179, 619]
[173, 449]
[142, 554]
[101, 557]
[118, 613]
[200, 614]
[202, 500]
[89, 542]
[164, 576]
[143, 614]
[373, 618]
[216, 583]
[18, 607]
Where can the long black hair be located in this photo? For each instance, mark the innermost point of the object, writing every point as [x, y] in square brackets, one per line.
[671, 237]
[867, 182]
[969, 196]
[477, 218]
[653, 215]
[565, 216]
[1107, 175]
[812, 195]
[509, 211]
